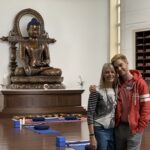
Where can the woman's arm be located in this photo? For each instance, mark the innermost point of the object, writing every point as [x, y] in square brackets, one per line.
[92, 138]
[92, 101]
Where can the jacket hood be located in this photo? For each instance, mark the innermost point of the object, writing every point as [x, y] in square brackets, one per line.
[136, 74]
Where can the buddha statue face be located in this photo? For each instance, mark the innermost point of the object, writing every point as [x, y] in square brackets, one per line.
[34, 31]
[34, 28]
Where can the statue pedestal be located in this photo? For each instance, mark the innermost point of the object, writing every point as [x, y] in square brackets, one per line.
[36, 82]
[39, 101]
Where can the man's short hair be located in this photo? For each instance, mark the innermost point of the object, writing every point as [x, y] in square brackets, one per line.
[118, 56]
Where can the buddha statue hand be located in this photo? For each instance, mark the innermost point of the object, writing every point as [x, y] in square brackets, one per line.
[31, 71]
[27, 70]
[39, 63]
[44, 63]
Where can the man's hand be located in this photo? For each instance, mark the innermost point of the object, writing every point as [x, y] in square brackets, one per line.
[92, 88]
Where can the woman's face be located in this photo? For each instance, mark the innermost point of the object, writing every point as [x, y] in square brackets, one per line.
[109, 75]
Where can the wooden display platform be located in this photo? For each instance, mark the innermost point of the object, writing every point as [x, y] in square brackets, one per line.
[26, 102]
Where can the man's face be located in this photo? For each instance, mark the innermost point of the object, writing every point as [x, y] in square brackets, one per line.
[121, 67]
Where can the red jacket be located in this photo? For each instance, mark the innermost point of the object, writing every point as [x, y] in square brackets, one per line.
[139, 104]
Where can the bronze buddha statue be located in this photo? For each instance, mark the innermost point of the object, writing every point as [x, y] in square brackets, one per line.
[34, 54]
[32, 69]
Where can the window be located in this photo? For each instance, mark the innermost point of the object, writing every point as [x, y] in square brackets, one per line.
[115, 27]
[118, 26]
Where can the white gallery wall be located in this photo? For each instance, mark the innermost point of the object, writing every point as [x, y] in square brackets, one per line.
[135, 16]
[81, 28]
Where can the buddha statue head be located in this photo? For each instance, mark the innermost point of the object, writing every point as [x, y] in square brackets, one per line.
[34, 28]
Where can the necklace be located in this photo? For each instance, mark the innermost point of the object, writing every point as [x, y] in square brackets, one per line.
[110, 100]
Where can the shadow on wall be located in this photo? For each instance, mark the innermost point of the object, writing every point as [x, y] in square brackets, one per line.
[1, 101]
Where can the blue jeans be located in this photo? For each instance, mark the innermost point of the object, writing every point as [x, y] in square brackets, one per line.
[125, 140]
[105, 138]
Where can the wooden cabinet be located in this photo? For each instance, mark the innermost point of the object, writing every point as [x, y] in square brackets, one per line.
[142, 45]
[25, 102]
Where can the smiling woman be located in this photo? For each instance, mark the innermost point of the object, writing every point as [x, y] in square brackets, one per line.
[101, 109]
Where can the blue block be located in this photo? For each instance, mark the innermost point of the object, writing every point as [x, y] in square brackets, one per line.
[60, 141]
[16, 123]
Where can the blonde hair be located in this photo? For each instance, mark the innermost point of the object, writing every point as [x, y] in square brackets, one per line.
[118, 56]
[102, 79]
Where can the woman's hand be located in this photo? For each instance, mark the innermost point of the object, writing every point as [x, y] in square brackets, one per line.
[93, 143]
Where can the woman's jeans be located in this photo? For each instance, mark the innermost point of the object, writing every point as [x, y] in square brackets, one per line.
[105, 138]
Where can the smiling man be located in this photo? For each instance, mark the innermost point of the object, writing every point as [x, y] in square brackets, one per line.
[133, 105]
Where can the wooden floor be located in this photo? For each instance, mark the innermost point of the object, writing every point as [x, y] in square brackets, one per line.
[23, 139]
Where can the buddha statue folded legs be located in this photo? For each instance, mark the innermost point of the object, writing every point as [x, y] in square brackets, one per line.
[44, 71]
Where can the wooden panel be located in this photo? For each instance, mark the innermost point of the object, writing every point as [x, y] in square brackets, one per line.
[42, 101]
